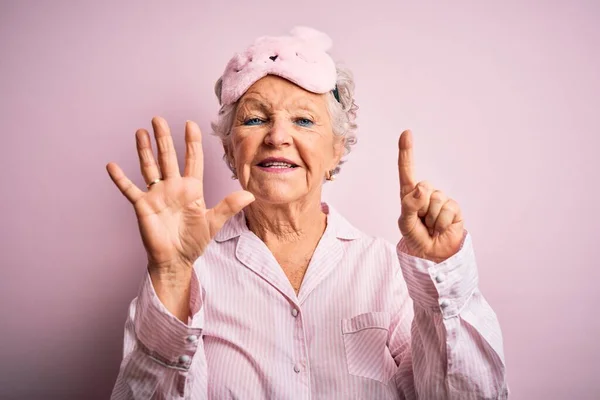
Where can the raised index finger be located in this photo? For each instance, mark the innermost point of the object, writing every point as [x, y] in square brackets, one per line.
[406, 167]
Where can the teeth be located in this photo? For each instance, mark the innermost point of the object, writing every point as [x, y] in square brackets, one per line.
[277, 164]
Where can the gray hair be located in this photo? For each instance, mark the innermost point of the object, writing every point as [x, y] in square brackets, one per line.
[342, 114]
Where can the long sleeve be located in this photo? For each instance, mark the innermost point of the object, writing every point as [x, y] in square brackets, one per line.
[163, 358]
[456, 349]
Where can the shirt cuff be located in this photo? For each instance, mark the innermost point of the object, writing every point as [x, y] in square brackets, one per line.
[163, 336]
[445, 286]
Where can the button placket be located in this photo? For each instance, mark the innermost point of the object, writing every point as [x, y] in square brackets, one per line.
[299, 342]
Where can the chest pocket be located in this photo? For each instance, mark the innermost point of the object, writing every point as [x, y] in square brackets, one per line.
[365, 341]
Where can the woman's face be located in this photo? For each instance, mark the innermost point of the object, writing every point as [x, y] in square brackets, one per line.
[282, 143]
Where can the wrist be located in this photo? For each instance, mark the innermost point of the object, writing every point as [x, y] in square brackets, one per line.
[170, 273]
[172, 286]
[170, 276]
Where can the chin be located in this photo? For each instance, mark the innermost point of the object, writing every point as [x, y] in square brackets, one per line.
[280, 194]
[274, 198]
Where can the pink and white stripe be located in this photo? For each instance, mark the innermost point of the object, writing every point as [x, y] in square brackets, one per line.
[369, 322]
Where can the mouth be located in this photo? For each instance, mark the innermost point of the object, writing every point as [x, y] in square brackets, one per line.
[277, 162]
[273, 164]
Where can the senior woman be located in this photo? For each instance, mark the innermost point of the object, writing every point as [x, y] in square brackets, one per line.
[272, 293]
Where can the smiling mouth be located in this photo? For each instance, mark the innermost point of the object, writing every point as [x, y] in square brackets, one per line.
[277, 165]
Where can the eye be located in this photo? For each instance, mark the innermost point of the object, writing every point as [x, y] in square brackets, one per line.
[253, 121]
[304, 122]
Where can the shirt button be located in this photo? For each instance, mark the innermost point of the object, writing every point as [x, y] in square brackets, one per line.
[184, 359]
[192, 339]
[294, 312]
[296, 368]
[444, 303]
[440, 278]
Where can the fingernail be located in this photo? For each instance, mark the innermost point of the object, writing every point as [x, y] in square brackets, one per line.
[417, 193]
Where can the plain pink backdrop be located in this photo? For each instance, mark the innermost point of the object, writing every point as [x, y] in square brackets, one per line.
[503, 100]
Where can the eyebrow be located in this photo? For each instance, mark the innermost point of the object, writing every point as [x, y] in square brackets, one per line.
[253, 102]
[304, 105]
[299, 103]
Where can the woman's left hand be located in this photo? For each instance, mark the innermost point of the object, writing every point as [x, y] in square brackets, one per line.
[430, 222]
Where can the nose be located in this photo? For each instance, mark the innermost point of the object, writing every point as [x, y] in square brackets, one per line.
[278, 135]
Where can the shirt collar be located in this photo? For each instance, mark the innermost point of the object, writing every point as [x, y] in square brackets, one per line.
[342, 229]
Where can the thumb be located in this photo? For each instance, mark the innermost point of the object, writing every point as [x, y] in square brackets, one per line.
[409, 222]
[228, 207]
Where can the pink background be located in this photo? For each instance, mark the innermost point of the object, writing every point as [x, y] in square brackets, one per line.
[503, 100]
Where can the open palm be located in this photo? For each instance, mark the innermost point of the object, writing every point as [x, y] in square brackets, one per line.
[174, 222]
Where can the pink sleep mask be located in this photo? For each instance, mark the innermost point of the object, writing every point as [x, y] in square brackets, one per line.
[301, 58]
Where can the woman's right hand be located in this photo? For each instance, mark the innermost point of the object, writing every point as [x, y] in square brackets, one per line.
[174, 222]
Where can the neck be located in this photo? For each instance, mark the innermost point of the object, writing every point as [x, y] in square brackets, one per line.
[286, 223]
